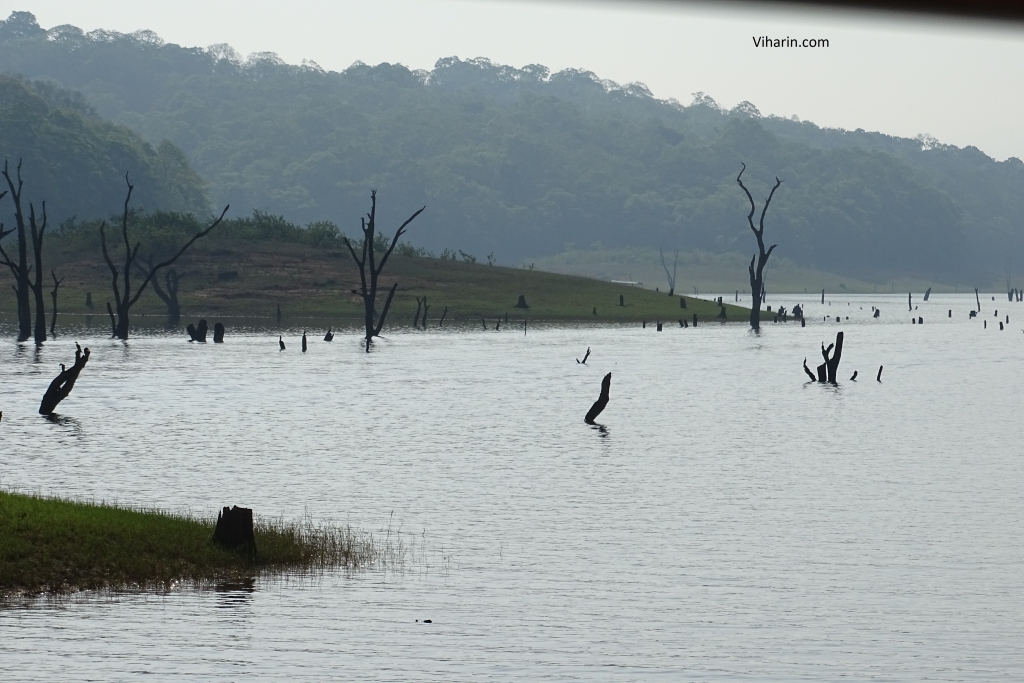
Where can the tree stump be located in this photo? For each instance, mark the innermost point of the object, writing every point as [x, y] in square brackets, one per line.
[659, 326]
[197, 334]
[235, 530]
[330, 334]
[218, 333]
[63, 383]
[522, 302]
[682, 302]
[695, 320]
[622, 300]
[601, 402]
[303, 341]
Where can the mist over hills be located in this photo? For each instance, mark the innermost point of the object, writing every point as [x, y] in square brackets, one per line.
[523, 162]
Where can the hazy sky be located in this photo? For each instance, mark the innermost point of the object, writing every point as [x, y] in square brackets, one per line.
[959, 81]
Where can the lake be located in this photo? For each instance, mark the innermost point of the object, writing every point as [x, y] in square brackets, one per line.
[729, 521]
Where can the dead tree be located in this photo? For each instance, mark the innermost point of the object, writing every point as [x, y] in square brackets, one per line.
[218, 333]
[20, 269]
[169, 295]
[368, 281]
[53, 295]
[440, 323]
[601, 402]
[671, 278]
[585, 357]
[63, 383]
[761, 258]
[419, 307]
[827, 370]
[808, 371]
[124, 300]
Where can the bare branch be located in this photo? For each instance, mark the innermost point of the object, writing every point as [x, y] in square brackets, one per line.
[769, 201]
[394, 241]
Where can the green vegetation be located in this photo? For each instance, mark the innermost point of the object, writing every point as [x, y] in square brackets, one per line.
[75, 161]
[51, 545]
[523, 162]
[245, 267]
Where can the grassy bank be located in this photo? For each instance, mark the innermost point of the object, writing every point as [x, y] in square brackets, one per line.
[53, 545]
[251, 278]
[727, 272]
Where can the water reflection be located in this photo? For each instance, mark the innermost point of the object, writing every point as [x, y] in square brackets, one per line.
[234, 593]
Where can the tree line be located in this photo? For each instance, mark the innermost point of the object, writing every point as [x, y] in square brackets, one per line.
[523, 162]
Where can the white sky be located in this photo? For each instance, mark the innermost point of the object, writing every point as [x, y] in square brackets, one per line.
[960, 81]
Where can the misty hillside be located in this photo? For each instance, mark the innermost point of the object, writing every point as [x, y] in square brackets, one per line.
[523, 162]
[75, 161]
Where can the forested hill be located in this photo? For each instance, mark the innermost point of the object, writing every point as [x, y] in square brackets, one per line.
[76, 162]
[521, 162]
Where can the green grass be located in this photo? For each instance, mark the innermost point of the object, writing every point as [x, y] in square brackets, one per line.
[53, 546]
[318, 283]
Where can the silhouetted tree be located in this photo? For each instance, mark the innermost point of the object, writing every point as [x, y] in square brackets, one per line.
[761, 258]
[169, 295]
[20, 268]
[53, 295]
[671, 278]
[368, 281]
[125, 300]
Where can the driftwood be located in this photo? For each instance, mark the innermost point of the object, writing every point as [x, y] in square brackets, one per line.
[235, 530]
[218, 333]
[585, 357]
[601, 402]
[63, 383]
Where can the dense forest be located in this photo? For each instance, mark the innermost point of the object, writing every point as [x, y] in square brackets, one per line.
[518, 162]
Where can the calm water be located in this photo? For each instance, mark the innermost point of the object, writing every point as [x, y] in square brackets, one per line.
[731, 522]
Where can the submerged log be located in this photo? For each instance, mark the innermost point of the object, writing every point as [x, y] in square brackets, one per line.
[63, 383]
[218, 333]
[235, 530]
[601, 402]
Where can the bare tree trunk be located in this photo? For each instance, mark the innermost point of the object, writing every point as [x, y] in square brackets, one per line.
[123, 301]
[757, 274]
[671, 278]
[21, 268]
[602, 400]
[63, 383]
[53, 294]
[368, 281]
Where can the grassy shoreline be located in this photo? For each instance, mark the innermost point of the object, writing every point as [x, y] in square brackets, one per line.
[252, 278]
[53, 545]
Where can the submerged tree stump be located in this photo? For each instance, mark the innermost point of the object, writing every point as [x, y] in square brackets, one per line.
[602, 400]
[197, 333]
[330, 334]
[682, 302]
[63, 383]
[235, 530]
[218, 333]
